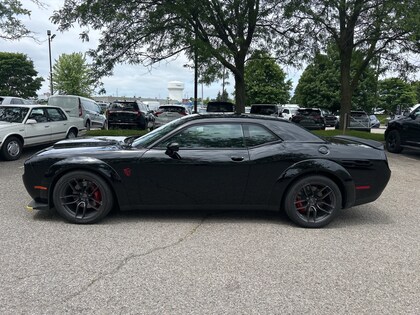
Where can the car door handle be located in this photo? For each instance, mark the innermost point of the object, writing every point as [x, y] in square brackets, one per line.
[237, 158]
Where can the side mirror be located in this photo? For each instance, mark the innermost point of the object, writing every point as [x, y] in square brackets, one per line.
[31, 121]
[172, 150]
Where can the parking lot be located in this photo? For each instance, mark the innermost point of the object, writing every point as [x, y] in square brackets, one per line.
[184, 262]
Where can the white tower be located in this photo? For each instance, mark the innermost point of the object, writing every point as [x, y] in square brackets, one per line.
[176, 90]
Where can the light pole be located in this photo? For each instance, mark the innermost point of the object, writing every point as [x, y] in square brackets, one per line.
[50, 38]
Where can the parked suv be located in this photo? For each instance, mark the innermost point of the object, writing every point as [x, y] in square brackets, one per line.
[265, 109]
[403, 132]
[130, 114]
[6, 100]
[310, 118]
[78, 106]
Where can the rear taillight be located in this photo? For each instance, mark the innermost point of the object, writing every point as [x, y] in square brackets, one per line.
[183, 113]
[158, 113]
[80, 111]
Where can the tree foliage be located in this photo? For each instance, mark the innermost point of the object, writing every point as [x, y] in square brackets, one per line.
[384, 30]
[394, 94]
[11, 27]
[265, 81]
[18, 76]
[319, 84]
[72, 75]
[143, 31]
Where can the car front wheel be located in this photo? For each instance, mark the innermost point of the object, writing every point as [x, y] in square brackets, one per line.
[82, 197]
[11, 149]
[393, 142]
[313, 201]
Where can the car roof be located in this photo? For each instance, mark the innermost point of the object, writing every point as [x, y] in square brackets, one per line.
[29, 105]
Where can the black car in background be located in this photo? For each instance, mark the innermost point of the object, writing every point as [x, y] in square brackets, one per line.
[403, 132]
[129, 114]
[266, 109]
[310, 118]
[220, 107]
[209, 162]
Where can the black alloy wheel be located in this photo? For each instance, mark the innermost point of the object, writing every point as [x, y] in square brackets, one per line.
[82, 197]
[313, 201]
[393, 142]
[11, 149]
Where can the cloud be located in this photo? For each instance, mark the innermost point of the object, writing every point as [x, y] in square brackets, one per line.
[127, 80]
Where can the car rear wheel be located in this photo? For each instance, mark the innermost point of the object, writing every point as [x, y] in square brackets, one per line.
[313, 201]
[11, 149]
[88, 125]
[393, 142]
[82, 197]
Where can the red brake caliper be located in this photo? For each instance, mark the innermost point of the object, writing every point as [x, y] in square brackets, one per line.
[97, 196]
[299, 205]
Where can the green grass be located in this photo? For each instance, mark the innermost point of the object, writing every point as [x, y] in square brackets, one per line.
[354, 133]
[115, 132]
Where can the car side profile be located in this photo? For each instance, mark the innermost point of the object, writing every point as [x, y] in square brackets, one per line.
[23, 126]
[404, 132]
[209, 161]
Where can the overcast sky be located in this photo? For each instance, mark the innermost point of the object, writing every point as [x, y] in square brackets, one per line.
[127, 80]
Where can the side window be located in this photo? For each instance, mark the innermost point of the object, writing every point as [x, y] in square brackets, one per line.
[286, 111]
[257, 135]
[208, 136]
[16, 101]
[56, 114]
[39, 115]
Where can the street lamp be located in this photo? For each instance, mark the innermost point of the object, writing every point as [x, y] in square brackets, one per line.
[50, 38]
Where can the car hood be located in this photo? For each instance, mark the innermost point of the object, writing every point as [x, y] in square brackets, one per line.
[90, 142]
[342, 139]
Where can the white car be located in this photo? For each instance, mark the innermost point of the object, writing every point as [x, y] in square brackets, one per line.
[6, 100]
[29, 125]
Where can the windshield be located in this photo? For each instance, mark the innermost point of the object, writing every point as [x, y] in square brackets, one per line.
[13, 114]
[158, 133]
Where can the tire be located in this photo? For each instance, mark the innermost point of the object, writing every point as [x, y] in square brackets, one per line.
[393, 142]
[72, 134]
[11, 149]
[105, 125]
[312, 201]
[82, 197]
[88, 125]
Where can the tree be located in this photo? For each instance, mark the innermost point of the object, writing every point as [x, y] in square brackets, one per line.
[265, 81]
[220, 33]
[11, 28]
[18, 76]
[71, 75]
[319, 84]
[377, 29]
[395, 95]
[416, 88]
[222, 96]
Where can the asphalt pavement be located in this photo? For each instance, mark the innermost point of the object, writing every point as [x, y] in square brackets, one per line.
[185, 262]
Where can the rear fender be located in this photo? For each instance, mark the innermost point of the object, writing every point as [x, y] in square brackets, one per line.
[327, 168]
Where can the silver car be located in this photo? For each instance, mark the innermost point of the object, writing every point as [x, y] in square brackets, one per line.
[167, 113]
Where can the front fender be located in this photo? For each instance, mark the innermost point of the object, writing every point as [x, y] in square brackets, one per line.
[83, 163]
[327, 168]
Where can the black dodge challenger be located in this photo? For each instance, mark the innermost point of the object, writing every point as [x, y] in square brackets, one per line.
[209, 161]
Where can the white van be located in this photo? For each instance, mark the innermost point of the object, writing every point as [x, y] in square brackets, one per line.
[78, 106]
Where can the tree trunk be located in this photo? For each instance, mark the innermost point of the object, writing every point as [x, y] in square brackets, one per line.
[240, 87]
[346, 90]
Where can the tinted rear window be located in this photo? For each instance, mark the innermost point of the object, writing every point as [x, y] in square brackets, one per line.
[264, 109]
[129, 106]
[173, 109]
[220, 107]
[309, 112]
